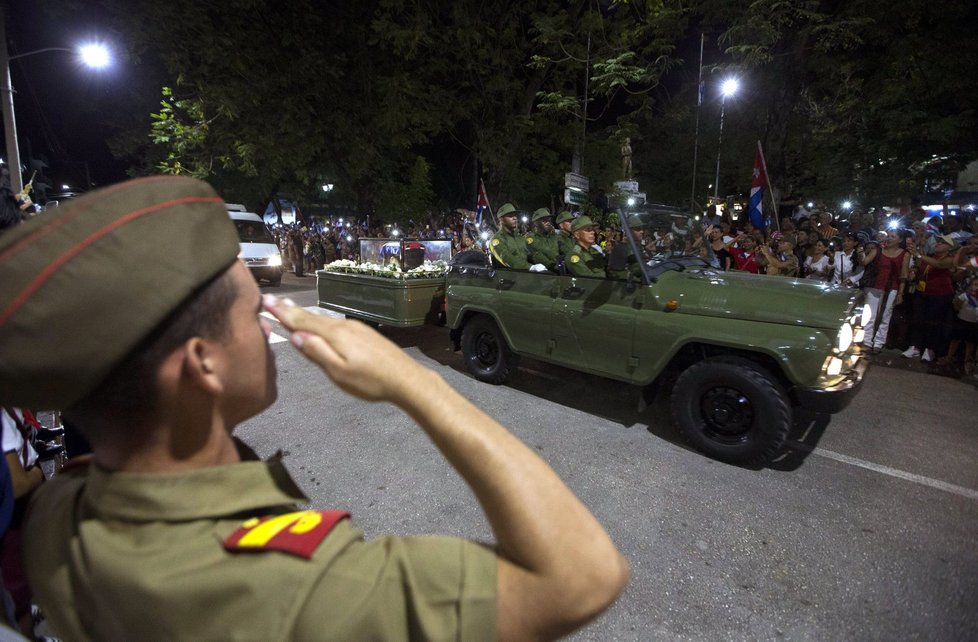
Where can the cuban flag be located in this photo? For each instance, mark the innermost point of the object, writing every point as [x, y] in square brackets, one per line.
[482, 204]
[756, 208]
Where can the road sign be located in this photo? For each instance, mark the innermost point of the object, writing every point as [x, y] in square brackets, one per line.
[576, 181]
[574, 197]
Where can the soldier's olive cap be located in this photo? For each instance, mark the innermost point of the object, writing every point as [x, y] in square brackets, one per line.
[635, 222]
[84, 284]
[541, 214]
[582, 222]
[506, 210]
[564, 216]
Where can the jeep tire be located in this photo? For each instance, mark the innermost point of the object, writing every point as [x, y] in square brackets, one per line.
[732, 409]
[487, 355]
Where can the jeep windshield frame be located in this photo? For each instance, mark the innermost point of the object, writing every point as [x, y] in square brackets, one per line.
[655, 265]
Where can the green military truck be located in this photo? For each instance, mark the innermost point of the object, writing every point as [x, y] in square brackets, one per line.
[739, 351]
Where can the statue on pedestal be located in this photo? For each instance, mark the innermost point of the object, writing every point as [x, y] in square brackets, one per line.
[626, 159]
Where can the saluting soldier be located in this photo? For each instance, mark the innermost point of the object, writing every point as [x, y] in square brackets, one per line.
[586, 258]
[542, 241]
[623, 255]
[174, 530]
[565, 238]
[508, 247]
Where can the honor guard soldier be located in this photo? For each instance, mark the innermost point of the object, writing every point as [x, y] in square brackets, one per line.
[507, 247]
[541, 243]
[565, 238]
[174, 530]
[586, 258]
[622, 261]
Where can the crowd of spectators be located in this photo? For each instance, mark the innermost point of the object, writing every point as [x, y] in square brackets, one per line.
[918, 271]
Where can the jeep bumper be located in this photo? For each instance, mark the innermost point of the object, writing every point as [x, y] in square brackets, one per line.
[836, 398]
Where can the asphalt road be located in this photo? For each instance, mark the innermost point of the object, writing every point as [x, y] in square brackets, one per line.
[865, 528]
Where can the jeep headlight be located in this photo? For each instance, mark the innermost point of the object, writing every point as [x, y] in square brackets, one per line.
[275, 260]
[834, 368]
[845, 338]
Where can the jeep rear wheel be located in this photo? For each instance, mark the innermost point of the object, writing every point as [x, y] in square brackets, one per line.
[486, 353]
[732, 409]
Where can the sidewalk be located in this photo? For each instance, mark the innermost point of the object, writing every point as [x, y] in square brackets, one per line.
[892, 358]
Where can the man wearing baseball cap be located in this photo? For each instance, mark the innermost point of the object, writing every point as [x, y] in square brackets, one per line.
[586, 258]
[129, 310]
[507, 247]
[541, 243]
[565, 239]
[622, 261]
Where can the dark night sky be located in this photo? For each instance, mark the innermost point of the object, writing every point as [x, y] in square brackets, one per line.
[65, 112]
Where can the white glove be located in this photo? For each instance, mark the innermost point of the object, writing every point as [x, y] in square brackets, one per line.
[538, 267]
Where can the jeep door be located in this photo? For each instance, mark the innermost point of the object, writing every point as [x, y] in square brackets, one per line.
[523, 305]
[593, 325]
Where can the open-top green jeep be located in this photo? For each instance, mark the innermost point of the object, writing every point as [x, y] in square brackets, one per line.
[740, 351]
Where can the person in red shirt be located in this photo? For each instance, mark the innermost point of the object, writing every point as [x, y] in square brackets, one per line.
[744, 254]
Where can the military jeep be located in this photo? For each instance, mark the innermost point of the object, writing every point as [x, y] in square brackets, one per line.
[739, 351]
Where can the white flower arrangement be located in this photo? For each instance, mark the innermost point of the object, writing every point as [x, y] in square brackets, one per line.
[427, 270]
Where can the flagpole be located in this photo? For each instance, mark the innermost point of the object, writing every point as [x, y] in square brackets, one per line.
[767, 177]
[696, 135]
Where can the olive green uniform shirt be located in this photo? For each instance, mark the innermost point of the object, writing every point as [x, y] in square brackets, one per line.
[509, 250]
[591, 262]
[543, 248]
[565, 243]
[120, 556]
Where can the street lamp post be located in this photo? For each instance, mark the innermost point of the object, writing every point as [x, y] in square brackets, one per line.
[728, 88]
[92, 55]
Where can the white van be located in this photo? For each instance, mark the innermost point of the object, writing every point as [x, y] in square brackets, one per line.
[258, 249]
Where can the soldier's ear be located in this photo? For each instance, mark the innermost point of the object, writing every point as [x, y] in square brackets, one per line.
[201, 365]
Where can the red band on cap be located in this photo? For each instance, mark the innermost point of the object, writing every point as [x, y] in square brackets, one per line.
[73, 251]
[61, 220]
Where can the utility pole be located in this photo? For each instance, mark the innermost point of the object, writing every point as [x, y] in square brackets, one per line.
[696, 135]
[7, 104]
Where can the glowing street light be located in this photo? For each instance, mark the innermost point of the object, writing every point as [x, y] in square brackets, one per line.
[847, 205]
[92, 55]
[728, 88]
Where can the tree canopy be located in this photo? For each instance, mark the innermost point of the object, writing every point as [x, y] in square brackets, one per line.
[403, 106]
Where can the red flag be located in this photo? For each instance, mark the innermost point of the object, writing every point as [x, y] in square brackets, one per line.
[482, 204]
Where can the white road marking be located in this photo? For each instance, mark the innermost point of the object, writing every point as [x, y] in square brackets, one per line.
[893, 472]
[313, 309]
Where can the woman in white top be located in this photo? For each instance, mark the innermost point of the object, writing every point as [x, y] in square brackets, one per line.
[847, 267]
[817, 265]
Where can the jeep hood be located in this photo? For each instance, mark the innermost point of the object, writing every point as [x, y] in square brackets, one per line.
[754, 297]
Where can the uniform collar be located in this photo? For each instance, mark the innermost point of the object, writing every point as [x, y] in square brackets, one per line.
[204, 492]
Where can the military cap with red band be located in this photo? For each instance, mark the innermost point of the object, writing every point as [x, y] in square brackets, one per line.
[82, 285]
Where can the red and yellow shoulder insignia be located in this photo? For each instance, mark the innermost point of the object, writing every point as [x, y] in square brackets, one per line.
[574, 258]
[294, 533]
[529, 240]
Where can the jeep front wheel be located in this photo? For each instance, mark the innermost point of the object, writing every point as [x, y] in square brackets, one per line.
[732, 409]
[486, 353]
